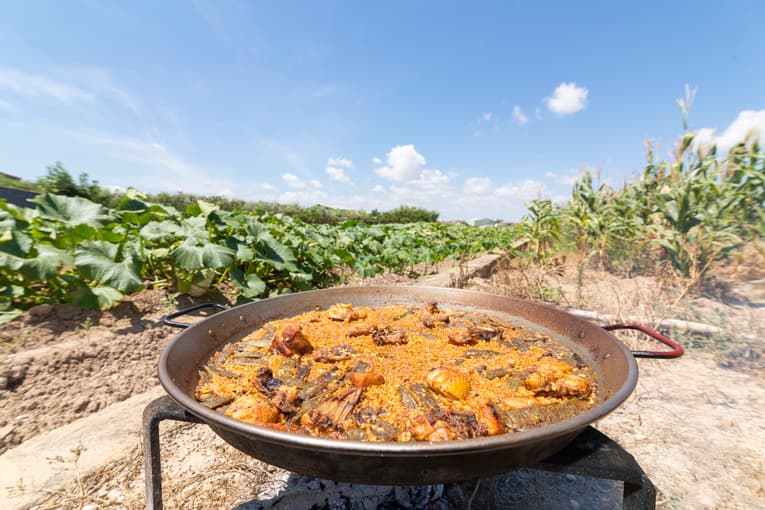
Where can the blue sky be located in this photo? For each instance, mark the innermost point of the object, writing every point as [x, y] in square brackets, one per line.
[471, 109]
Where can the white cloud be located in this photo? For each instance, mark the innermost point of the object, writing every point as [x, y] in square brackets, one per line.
[5, 105]
[404, 164]
[312, 197]
[432, 178]
[336, 169]
[538, 113]
[340, 162]
[748, 123]
[293, 181]
[528, 189]
[337, 174]
[377, 161]
[567, 98]
[477, 186]
[379, 188]
[487, 116]
[32, 85]
[520, 117]
[151, 166]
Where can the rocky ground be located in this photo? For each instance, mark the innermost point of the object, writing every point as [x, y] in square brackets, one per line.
[695, 424]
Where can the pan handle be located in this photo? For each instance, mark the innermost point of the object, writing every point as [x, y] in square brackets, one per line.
[677, 349]
[167, 320]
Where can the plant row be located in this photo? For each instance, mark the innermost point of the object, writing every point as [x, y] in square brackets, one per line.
[69, 249]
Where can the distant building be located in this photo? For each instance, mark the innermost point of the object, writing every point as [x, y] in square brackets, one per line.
[18, 197]
[483, 222]
[9, 176]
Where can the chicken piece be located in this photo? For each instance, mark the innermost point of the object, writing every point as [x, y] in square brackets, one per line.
[430, 307]
[432, 322]
[553, 377]
[364, 379]
[476, 333]
[345, 312]
[388, 336]
[445, 424]
[291, 341]
[253, 409]
[491, 419]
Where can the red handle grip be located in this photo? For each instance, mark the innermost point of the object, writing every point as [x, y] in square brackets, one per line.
[677, 349]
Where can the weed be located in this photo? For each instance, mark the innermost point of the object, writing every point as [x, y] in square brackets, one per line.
[87, 324]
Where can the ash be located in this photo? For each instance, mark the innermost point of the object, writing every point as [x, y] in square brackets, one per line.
[522, 489]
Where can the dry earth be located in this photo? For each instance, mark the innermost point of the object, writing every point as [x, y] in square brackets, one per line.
[696, 425]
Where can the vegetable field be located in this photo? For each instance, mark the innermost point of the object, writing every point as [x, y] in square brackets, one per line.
[69, 249]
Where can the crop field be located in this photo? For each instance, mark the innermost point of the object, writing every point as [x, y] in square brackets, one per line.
[679, 216]
[69, 249]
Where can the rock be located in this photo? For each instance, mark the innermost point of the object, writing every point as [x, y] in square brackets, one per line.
[41, 311]
[81, 404]
[16, 373]
[3, 382]
[67, 312]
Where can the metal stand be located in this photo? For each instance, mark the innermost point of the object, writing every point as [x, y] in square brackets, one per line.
[596, 455]
[591, 454]
[163, 408]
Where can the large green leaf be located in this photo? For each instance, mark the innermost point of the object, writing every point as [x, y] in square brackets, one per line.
[250, 286]
[15, 242]
[192, 256]
[100, 261]
[71, 211]
[96, 297]
[194, 228]
[7, 316]
[14, 246]
[46, 264]
[243, 252]
[160, 230]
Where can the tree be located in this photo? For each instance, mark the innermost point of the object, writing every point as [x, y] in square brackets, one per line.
[60, 182]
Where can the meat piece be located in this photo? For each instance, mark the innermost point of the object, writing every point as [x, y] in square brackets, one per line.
[362, 331]
[445, 424]
[474, 334]
[465, 339]
[345, 312]
[432, 322]
[491, 419]
[430, 307]
[291, 341]
[364, 379]
[284, 399]
[388, 336]
[553, 377]
[253, 409]
[486, 333]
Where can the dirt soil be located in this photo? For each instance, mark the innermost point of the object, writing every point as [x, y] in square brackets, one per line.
[696, 424]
